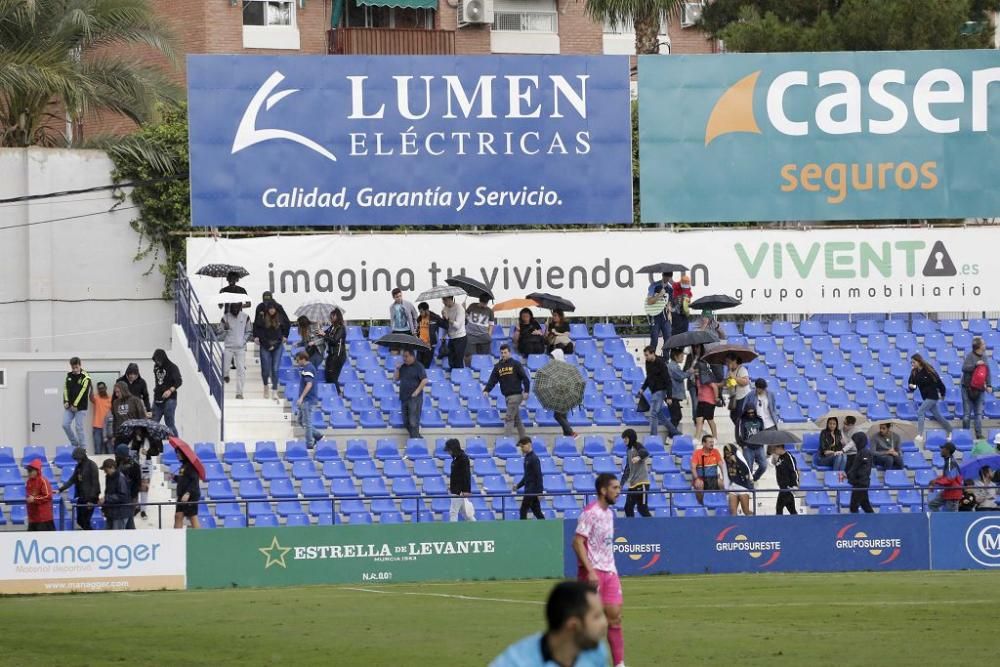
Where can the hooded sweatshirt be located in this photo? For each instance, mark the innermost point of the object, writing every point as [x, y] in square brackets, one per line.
[166, 376]
[125, 408]
[39, 509]
[77, 390]
[635, 474]
[859, 475]
[85, 478]
[511, 376]
[239, 329]
[461, 473]
[139, 389]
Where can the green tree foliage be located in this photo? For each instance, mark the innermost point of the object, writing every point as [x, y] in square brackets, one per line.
[643, 14]
[768, 26]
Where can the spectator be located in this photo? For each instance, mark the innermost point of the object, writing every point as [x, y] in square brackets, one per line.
[239, 330]
[514, 385]
[678, 392]
[531, 481]
[88, 487]
[454, 314]
[706, 467]
[680, 306]
[949, 482]
[767, 408]
[166, 381]
[267, 302]
[888, 453]
[557, 335]
[850, 423]
[932, 389]
[984, 492]
[311, 340]
[336, 348]
[975, 380]
[750, 424]
[859, 475]
[708, 397]
[76, 396]
[308, 398]
[402, 314]
[428, 324]
[188, 494]
[561, 417]
[635, 475]
[124, 406]
[659, 383]
[576, 625]
[412, 380]
[738, 383]
[709, 323]
[270, 331]
[479, 324]
[786, 472]
[831, 446]
[232, 288]
[101, 409]
[136, 385]
[739, 484]
[130, 471]
[116, 502]
[38, 496]
[528, 336]
[460, 483]
[659, 302]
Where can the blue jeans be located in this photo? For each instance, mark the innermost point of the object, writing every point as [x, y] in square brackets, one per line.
[756, 453]
[888, 461]
[73, 427]
[660, 325]
[166, 410]
[937, 503]
[99, 446]
[658, 413]
[835, 461]
[972, 410]
[411, 413]
[269, 360]
[306, 422]
[931, 405]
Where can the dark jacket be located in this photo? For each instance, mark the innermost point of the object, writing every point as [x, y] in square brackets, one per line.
[166, 375]
[125, 408]
[77, 390]
[116, 497]
[786, 471]
[335, 338]
[139, 389]
[828, 441]
[86, 481]
[461, 473]
[930, 385]
[657, 377]
[285, 325]
[749, 426]
[187, 482]
[532, 480]
[129, 468]
[270, 337]
[527, 342]
[739, 472]
[436, 322]
[512, 378]
[860, 473]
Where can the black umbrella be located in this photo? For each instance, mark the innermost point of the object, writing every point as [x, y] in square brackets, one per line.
[551, 302]
[772, 437]
[154, 429]
[663, 267]
[472, 287]
[697, 337]
[222, 270]
[401, 340]
[715, 302]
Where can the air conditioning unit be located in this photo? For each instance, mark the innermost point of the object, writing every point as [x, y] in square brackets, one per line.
[691, 13]
[475, 12]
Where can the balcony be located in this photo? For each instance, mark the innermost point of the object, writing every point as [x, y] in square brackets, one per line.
[390, 41]
[525, 32]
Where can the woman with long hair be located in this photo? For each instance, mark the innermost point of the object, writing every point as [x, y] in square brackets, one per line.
[529, 336]
[831, 446]
[557, 336]
[932, 389]
[635, 475]
[336, 347]
[270, 334]
[740, 483]
[188, 493]
[312, 340]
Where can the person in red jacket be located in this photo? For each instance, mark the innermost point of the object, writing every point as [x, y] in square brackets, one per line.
[950, 482]
[39, 497]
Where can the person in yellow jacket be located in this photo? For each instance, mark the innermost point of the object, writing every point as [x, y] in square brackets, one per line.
[76, 399]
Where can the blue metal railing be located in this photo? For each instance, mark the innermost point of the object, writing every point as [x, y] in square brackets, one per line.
[202, 339]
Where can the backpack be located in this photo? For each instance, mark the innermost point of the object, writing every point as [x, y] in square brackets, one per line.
[978, 379]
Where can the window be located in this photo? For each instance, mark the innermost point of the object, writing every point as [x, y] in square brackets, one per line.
[525, 16]
[269, 12]
[370, 16]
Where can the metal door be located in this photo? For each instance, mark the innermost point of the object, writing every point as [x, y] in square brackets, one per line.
[45, 410]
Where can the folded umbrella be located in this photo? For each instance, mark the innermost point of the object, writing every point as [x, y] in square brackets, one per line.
[970, 469]
[715, 302]
[183, 448]
[840, 415]
[552, 302]
[559, 386]
[772, 437]
[440, 292]
[318, 311]
[697, 337]
[222, 270]
[716, 353]
[906, 430]
[402, 340]
[663, 267]
[514, 304]
[154, 429]
[471, 286]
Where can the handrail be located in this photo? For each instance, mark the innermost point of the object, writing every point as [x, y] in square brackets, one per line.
[201, 338]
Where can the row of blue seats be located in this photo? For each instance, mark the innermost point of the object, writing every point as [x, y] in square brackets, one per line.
[578, 331]
[864, 327]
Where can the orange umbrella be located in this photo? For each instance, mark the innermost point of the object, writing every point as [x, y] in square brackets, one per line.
[514, 304]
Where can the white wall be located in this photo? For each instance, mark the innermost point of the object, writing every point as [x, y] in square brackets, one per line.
[71, 285]
[198, 417]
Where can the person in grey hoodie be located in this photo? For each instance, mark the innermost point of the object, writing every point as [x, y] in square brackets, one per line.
[88, 487]
[239, 330]
[635, 475]
[678, 381]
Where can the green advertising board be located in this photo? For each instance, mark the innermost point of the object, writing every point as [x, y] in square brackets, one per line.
[374, 554]
[819, 136]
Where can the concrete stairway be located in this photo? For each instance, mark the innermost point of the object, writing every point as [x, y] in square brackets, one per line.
[254, 417]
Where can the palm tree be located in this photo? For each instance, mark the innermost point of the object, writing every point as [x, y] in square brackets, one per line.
[63, 59]
[644, 14]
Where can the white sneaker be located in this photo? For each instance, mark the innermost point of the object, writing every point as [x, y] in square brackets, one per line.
[947, 437]
[267, 392]
[918, 439]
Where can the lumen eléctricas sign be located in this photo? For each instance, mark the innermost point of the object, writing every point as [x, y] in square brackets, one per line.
[819, 136]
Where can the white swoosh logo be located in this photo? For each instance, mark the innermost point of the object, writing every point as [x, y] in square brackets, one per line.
[247, 134]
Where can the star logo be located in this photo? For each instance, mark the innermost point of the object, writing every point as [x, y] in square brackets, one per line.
[269, 552]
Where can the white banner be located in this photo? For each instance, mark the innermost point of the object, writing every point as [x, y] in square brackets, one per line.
[773, 272]
[83, 561]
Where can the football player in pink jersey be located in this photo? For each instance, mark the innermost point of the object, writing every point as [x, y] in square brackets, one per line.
[595, 555]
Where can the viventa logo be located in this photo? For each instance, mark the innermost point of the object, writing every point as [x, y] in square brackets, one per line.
[249, 134]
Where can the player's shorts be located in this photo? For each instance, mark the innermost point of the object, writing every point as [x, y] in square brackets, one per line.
[609, 587]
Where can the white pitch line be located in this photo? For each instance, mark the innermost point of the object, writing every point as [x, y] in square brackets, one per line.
[443, 595]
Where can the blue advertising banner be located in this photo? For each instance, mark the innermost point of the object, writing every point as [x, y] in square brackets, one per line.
[819, 136]
[402, 140]
[765, 544]
[965, 540]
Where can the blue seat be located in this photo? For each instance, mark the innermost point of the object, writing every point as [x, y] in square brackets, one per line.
[359, 518]
[243, 470]
[606, 416]
[488, 418]
[811, 328]
[505, 449]
[583, 483]
[951, 327]
[237, 521]
[808, 481]
[460, 418]
[602, 464]
[304, 470]
[326, 451]
[32, 452]
[341, 418]
[755, 328]
[574, 465]
[484, 467]
[435, 486]
[265, 451]
[282, 488]
[818, 499]
[604, 331]
[365, 468]
[980, 326]
[296, 450]
[334, 469]
[838, 327]
[221, 490]
[633, 417]
[252, 489]
[915, 461]
[426, 468]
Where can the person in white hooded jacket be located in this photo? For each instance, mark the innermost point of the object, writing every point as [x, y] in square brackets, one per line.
[238, 330]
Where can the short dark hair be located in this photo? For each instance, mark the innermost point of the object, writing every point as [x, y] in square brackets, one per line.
[760, 383]
[524, 441]
[505, 346]
[302, 354]
[850, 419]
[396, 290]
[649, 349]
[732, 356]
[452, 445]
[603, 480]
[567, 600]
[102, 384]
[74, 361]
[706, 437]
[484, 298]
[423, 305]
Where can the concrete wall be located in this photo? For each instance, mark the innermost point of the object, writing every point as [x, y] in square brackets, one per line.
[68, 280]
[198, 417]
